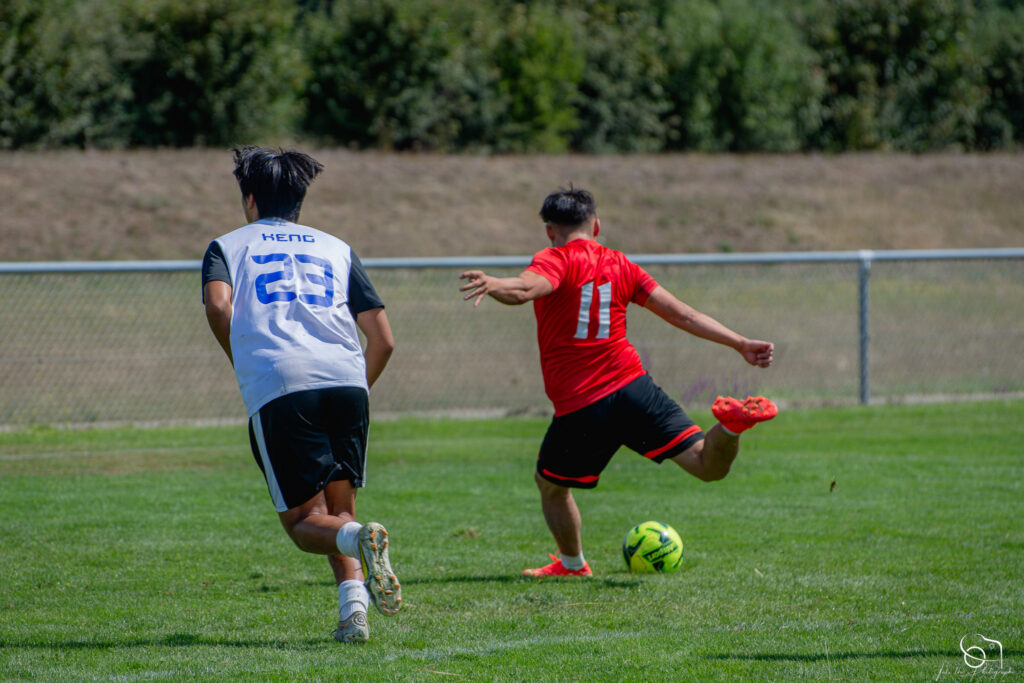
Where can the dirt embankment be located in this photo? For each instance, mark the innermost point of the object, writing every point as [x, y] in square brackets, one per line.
[168, 204]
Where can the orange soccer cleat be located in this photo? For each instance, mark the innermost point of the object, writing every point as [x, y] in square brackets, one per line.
[738, 416]
[556, 568]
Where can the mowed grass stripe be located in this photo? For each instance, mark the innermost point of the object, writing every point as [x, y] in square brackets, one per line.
[177, 450]
[165, 560]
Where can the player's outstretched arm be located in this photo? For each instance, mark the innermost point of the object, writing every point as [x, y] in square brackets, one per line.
[667, 306]
[217, 296]
[380, 343]
[513, 291]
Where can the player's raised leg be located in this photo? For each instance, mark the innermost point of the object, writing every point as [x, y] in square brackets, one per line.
[711, 458]
[365, 547]
[326, 525]
[353, 597]
[317, 526]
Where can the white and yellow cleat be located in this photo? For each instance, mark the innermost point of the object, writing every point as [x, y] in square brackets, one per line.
[381, 582]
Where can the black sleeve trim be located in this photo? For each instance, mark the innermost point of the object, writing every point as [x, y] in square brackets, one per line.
[215, 267]
[361, 294]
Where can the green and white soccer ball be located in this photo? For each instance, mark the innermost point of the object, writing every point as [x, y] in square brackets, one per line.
[652, 547]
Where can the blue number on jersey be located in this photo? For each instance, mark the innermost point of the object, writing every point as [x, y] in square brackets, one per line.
[263, 279]
[287, 274]
[326, 280]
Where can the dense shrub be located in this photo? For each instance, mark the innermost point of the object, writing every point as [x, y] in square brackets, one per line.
[901, 74]
[212, 72]
[58, 82]
[739, 77]
[515, 75]
[539, 55]
[1000, 38]
[395, 75]
[620, 102]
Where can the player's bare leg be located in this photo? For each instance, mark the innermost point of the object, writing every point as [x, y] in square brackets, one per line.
[341, 504]
[314, 525]
[318, 526]
[353, 597]
[711, 458]
[368, 556]
[561, 514]
[563, 519]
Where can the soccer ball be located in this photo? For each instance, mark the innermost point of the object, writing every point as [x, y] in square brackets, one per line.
[652, 547]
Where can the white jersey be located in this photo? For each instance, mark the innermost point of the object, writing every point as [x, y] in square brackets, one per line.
[292, 324]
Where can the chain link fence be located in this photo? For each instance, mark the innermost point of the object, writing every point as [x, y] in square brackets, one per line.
[129, 342]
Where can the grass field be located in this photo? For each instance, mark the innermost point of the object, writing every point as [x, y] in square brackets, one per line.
[142, 555]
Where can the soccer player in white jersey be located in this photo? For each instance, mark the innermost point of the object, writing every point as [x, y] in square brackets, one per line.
[286, 302]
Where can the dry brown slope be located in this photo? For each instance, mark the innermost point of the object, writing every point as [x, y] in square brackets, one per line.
[168, 204]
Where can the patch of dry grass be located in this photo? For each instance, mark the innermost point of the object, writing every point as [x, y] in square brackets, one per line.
[168, 204]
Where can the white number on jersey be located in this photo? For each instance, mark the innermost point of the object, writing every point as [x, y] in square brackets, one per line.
[604, 310]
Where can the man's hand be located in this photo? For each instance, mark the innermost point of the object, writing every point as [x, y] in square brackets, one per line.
[759, 353]
[478, 286]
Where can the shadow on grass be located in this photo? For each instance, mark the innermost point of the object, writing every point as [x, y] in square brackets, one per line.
[172, 640]
[610, 582]
[832, 656]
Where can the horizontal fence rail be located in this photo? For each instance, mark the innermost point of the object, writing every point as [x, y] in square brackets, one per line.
[127, 341]
[776, 257]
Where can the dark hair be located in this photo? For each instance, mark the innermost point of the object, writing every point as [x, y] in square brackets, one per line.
[277, 180]
[568, 207]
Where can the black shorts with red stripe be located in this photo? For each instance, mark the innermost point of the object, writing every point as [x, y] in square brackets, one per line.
[579, 445]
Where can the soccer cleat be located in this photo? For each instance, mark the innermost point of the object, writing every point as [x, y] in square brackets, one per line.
[354, 629]
[738, 416]
[381, 582]
[556, 568]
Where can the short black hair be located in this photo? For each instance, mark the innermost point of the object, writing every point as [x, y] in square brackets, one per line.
[568, 207]
[276, 179]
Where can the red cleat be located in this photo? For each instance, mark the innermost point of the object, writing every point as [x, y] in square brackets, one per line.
[738, 416]
[556, 568]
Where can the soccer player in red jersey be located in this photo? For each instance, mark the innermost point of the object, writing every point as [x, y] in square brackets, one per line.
[603, 396]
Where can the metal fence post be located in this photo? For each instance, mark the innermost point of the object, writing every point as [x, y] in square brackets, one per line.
[864, 272]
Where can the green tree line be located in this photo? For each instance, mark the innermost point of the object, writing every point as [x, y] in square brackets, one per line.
[530, 76]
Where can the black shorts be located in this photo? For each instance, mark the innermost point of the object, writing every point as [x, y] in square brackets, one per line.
[305, 440]
[579, 445]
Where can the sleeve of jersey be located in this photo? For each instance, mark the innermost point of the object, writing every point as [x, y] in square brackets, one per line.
[549, 264]
[645, 284]
[361, 294]
[215, 267]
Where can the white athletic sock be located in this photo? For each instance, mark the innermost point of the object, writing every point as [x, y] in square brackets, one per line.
[348, 539]
[574, 562]
[352, 597]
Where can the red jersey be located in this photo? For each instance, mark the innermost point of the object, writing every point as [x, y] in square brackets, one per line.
[581, 325]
